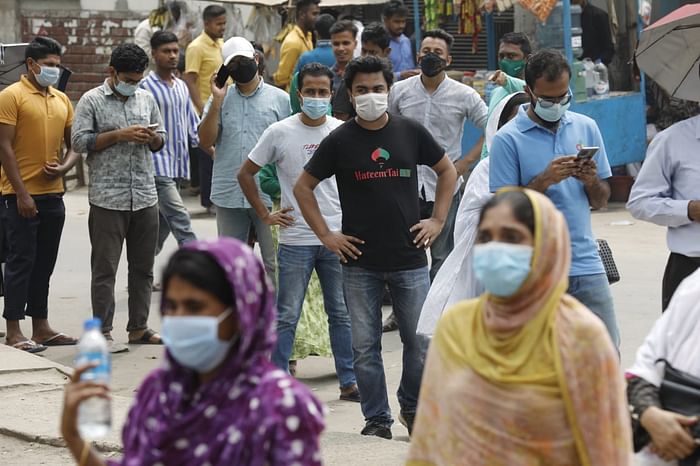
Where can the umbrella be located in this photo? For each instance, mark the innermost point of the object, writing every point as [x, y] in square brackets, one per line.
[669, 51]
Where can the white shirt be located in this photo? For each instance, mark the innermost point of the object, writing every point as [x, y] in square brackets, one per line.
[667, 182]
[289, 144]
[442, 113]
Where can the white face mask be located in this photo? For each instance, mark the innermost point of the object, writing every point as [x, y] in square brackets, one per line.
[372, 106]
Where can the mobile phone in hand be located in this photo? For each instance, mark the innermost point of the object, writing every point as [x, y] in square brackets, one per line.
[152, 126]
[586, 153]
[221, 77]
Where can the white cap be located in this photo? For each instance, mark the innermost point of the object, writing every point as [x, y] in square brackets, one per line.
[236, 46]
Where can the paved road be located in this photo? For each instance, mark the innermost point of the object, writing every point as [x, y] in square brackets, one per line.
[639, 249]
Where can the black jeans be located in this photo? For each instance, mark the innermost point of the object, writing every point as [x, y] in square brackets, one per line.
[678, 268]
[194, 167]
[109, 230]
[206, 165]
[32, 249]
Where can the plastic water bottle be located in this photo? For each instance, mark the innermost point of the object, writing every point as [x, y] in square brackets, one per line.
[94, 414]
[602, 85]
[589, 71]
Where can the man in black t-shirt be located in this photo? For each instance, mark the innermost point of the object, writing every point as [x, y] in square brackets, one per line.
[597, 37]
[374, 158]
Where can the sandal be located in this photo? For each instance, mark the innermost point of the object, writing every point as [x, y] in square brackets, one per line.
[147, 338]
[30, 346]
[59, 339]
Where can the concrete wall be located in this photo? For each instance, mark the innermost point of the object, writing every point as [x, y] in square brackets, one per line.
[88, 37]
[9, 21]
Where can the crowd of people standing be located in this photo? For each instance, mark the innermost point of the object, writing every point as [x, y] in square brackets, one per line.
[351, 182]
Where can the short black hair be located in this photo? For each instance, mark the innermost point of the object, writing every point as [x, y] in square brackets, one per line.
[546, 63]
[260, 53]
[377, 34]
[213, 11]
[323, 26]
[161, 38]
[441, 34]
[129, 58]
[522, 207]
[201, 270]
[314, 70]
[394, 8]
[41, 47]
[303, 5]
[516, 101]
[519, 39]
[368, 64]
[344, 25]
[181, 61]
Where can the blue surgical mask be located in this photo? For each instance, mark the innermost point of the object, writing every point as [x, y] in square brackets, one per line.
[194, 340]
[48, 76]
[553, 113]
[502, 267]
[125, 89]
[314, 107]
[550, 111]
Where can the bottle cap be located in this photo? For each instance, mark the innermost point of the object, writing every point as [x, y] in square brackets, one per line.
[91, 324]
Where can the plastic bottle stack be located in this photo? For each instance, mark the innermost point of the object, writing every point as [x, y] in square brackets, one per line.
[589, 72]
[550, 34]
[602, 84]
[94, 414]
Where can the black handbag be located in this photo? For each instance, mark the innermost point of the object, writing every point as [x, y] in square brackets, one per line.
[608, 261]
[680, 393]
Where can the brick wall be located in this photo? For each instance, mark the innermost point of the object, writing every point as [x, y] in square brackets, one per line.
[87, 37]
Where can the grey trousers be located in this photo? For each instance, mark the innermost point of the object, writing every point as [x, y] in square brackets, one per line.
[109, 229]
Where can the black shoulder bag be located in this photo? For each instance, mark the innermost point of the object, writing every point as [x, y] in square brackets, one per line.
[680, 393]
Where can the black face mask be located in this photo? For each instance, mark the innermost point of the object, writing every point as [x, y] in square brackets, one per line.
[431, 64]
[243, 71]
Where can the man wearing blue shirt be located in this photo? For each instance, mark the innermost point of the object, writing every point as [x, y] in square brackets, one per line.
[538, 150]
[394, 16]
[234, 119]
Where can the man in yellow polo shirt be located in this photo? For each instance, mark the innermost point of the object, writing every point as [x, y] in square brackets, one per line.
[202, 60]
[35, 122]
[298, 41]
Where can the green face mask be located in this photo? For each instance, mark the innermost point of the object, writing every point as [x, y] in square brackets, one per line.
[512, 68]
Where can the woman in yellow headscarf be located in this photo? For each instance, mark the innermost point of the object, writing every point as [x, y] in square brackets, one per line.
[525, 374]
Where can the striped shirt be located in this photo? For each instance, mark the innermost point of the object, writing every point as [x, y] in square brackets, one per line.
[180, 120]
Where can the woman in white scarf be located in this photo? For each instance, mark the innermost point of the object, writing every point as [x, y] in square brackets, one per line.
[455, 280]
[675, 337]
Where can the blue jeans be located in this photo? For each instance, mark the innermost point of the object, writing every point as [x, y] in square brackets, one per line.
[444, 243]
[235, 223]
[594, 292]
[363, 294]
[295, 266]
[172, 214]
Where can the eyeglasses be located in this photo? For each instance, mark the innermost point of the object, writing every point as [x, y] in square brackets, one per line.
[549, 102]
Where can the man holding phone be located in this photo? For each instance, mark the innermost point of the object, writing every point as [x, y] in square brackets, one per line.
[539, 150]
[111, 125]
[234, 119]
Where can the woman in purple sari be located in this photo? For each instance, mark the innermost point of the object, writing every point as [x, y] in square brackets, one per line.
[217, 400]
